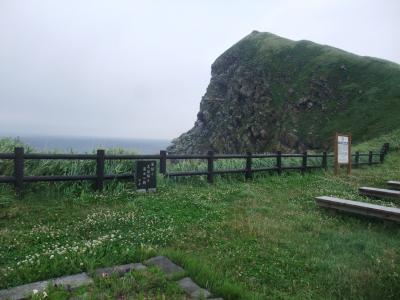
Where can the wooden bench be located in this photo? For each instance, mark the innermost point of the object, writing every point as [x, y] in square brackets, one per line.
[360, 208]
[379, 193]
[394, 184]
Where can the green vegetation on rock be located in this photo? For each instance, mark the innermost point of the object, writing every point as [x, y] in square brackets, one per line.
[268, 93]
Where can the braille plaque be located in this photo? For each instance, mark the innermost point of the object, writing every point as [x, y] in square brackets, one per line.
[146, 175]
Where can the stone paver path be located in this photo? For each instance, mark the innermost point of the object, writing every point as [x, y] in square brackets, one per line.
[120, 270]
[24, 291]
[167, 266]
[192, 289]
[71, 282]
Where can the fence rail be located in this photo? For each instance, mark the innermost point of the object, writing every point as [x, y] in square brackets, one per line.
[19, 157]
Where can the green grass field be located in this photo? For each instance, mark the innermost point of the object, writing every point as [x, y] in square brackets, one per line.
[259, 239]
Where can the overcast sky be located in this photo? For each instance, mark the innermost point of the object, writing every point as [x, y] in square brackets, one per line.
[138, 69]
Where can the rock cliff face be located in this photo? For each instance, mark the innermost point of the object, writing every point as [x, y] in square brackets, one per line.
[268, 93]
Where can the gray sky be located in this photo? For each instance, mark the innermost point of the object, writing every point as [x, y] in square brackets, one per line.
[139, 68]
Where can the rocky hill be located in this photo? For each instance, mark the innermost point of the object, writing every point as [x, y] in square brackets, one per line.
[268, 93]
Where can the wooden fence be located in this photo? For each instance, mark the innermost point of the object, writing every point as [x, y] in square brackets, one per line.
[19, 178]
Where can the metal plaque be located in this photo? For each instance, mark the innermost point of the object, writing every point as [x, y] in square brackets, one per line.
[343, 149]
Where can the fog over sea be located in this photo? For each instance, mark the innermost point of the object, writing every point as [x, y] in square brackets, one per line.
[90, 144]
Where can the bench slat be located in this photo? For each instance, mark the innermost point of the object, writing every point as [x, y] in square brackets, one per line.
[394, 184]
[377, 192]
[361, 208]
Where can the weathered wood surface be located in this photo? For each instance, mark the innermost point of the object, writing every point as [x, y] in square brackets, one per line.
[361, 208]
[379, 193]
[394, 184]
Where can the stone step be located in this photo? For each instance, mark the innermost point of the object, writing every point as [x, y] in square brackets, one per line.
[23, 291]
[192, 289]
[70, 282]
[167, 266]
[119, 270]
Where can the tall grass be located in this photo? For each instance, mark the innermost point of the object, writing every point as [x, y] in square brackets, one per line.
[42, 167]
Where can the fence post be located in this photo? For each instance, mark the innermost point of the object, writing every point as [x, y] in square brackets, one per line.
[324, 161]
[248, 173]
[370, 158]
[210, 167]
[100, 170]
[304, 163]
[357, 159]
[381, 156]
[279, 162]
[163, 162]
[19, 169]
[386, 148]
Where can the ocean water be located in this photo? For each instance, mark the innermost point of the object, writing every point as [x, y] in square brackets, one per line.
[90, 144]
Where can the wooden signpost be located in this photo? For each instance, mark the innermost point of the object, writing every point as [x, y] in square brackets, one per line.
[342, 146]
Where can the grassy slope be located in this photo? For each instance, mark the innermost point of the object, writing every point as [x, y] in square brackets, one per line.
[393, 138]
[243, 240]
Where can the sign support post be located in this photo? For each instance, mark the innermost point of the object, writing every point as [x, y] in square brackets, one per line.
[349, 164]
[335, 146]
